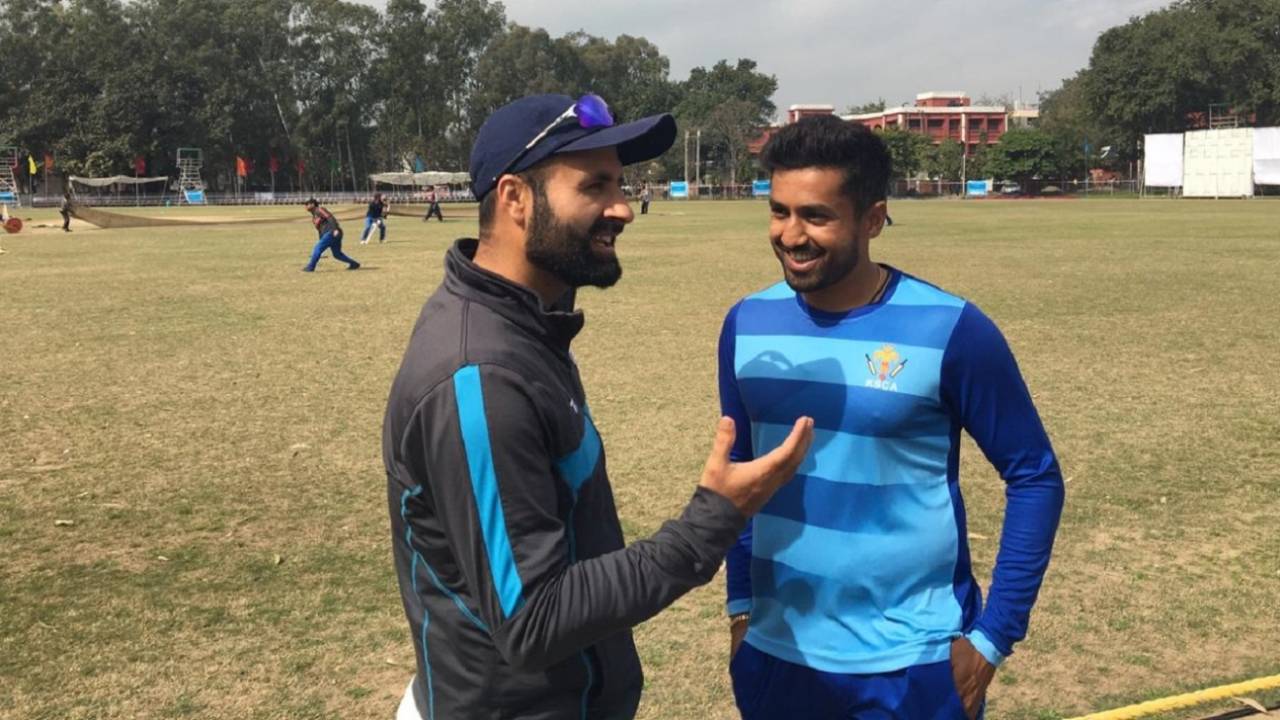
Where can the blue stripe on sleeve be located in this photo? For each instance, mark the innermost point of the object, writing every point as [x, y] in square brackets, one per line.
[576, 467]
[484, 483]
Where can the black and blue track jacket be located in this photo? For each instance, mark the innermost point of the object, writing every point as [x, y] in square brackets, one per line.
[517, 586]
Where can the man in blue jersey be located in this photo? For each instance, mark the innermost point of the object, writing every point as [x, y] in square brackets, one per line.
[375, 215]
[851, 593]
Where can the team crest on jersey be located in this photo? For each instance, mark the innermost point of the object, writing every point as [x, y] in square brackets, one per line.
[884, 365]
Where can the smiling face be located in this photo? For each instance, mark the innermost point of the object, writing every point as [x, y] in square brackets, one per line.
[579, 210]
[813, 227]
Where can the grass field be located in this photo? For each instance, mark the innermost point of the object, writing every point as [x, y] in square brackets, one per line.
[192, 502]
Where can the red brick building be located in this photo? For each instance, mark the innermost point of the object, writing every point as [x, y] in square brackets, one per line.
[942, 116]
[938, 115]
[795, 112]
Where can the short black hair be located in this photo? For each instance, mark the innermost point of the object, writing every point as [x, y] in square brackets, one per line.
[826, 141]
[488, 205]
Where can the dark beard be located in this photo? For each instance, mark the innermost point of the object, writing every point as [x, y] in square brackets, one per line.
[565, 251]
[832, 269]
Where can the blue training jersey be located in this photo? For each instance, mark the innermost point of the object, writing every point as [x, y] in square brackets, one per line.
[861, 563]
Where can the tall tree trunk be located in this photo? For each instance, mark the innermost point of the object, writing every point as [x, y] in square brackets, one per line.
[279, 110]
[355, 186]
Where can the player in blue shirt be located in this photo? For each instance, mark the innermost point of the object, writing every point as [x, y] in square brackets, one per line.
[375, 215]
[853, 586]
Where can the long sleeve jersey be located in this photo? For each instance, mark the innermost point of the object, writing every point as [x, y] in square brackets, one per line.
[861, 563]
[518, 590]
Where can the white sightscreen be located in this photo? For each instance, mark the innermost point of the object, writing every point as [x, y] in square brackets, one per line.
[1266, 156]
[430, 177]
[1218, 163]
[1162, 160]
[116, 179]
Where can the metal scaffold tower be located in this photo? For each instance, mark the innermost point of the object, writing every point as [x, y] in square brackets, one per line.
[191, 185]
[8, 181]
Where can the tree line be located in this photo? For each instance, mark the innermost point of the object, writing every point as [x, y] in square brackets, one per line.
[317, 94]
[1164, 71]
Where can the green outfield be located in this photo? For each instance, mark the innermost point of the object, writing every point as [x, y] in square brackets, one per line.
[193, 509]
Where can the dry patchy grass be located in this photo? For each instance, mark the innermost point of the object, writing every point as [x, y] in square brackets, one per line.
[198, 408]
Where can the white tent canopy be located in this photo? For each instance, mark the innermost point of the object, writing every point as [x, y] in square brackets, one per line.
[114, 179]
[430, 177]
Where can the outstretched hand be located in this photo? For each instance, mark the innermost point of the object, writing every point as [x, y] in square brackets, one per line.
[749, 485]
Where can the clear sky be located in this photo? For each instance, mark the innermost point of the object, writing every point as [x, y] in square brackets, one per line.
[841, 52]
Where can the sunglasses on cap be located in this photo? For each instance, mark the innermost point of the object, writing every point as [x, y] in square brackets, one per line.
[590, 111]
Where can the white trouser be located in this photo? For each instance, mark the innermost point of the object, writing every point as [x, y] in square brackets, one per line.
[408, 709]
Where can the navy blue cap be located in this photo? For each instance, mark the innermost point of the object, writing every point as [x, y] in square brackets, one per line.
[511, 127]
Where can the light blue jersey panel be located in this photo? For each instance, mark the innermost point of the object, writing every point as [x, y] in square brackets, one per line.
[910, 460]
[867, 363]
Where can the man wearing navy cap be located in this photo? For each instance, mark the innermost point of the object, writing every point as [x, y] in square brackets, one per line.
[519, 592]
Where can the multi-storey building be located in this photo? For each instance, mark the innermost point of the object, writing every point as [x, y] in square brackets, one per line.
[945, 116]
[937, 115]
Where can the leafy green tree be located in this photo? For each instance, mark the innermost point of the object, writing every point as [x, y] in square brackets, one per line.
[459, 35]
[731, 125]
[333, 50]
[336, 84]
[400, 78]
[630, 73]
[865, 108]
[705, 89]
[976, 166]
[1152, 73]
[725, 102]
[944, 160]
[907, 151]
[1024, 155]
[1066, 116]
[524, 61]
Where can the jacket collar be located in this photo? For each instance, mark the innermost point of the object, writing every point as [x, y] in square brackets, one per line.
[556, 325]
